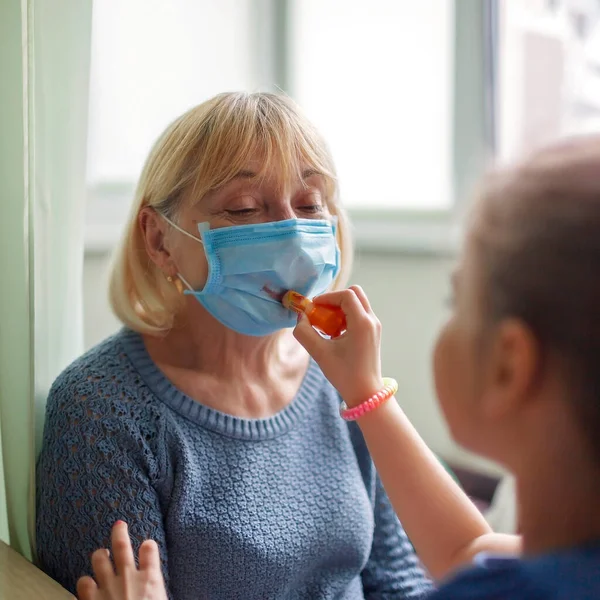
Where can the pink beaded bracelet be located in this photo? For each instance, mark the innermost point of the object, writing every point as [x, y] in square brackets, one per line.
[390, 387]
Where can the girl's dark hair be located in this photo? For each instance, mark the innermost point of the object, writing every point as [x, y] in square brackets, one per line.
[537, 235]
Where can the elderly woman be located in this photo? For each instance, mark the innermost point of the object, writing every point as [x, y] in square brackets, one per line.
[203, 423]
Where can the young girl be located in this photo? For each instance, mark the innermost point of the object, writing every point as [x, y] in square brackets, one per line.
[516, 373]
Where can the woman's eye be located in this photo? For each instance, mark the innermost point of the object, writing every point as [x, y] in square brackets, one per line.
[241, 212]
[311, 208]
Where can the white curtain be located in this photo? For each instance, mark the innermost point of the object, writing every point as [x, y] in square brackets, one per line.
[45, 50]
[62, 32]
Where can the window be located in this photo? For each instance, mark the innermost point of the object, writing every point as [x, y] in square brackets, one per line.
[376, 76]
[151, 61]
[549, 53]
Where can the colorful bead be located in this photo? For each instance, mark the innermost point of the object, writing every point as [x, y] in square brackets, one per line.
[351, 414]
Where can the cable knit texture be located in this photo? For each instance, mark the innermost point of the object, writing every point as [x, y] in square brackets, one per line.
[284, 507]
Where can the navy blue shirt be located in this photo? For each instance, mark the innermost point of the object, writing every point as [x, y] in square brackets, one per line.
[566, 575]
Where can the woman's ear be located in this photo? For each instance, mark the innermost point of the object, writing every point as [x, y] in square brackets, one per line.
[513, 370]
[154, 229]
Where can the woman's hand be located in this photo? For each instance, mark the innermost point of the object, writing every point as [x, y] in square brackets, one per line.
[352, 361]
[129, 582]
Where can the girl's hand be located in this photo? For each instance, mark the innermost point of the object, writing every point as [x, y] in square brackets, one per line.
[352, 361]
[129, 582]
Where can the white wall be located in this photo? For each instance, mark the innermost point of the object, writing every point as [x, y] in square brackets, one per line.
[408, 294]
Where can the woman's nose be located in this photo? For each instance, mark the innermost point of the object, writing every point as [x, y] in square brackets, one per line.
[282, 212]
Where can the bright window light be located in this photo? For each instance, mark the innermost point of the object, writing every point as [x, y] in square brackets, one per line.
[549, 84]
[376, 76]
[151, 61]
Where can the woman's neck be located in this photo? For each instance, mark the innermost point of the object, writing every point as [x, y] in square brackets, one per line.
[204, 345]
[249, 377]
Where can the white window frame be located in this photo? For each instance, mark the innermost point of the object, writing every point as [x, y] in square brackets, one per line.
[473, 139]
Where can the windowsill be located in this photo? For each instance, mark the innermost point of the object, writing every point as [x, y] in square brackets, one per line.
[402, 235]
[106, 213]
[101, 238]
[436, 234]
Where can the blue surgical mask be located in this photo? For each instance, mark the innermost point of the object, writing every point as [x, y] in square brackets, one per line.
[250, 267]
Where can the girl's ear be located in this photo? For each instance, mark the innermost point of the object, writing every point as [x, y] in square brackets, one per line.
[514, 367]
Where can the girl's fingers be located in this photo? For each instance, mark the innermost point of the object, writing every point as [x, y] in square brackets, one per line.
[348, 301]
[121, 548]
[103, 569]
[87, 589]
[312, 341]
[149, 556]
[331, 298]
[360, 294]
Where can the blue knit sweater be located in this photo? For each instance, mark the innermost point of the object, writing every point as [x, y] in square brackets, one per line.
[284, 507]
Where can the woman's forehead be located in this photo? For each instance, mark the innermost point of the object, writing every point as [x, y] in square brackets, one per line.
[272, 175]
[262, 164]
[256, 177]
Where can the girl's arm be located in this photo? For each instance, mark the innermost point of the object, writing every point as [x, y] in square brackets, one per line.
[445, 527]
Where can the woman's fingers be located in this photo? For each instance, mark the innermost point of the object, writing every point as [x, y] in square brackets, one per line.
[149, 556]
[121, 548]
[103, 569]
[87, 589]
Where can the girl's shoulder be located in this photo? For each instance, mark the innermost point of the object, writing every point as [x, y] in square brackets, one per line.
[572, 574]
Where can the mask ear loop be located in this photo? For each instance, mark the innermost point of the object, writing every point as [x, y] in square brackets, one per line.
[182, 230]
[181, 278]
[185, 282]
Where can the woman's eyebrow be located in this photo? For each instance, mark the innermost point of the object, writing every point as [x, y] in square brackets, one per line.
[216, 195]
[310, 172]
[244, 174]
[247, 174]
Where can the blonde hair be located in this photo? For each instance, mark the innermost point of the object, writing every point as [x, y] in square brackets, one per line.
[201, 151]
